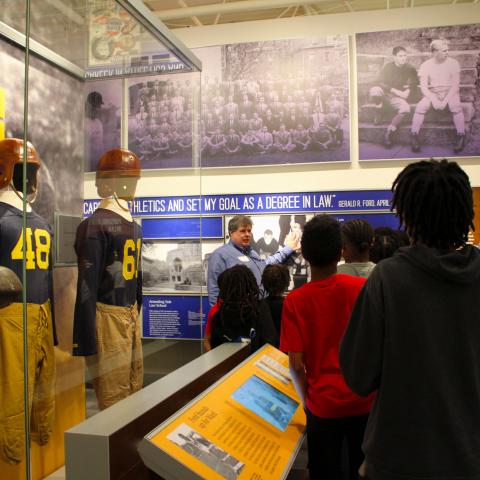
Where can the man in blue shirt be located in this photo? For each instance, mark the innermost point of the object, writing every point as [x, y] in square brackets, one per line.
[239, 252]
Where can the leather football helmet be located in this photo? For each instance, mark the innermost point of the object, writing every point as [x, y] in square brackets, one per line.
[117, 173]
[118, 163]
[11, 154]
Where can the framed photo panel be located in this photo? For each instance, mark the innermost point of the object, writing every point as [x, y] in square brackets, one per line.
[103, 103]
[417, 93]
[275, 102]
[176, 267]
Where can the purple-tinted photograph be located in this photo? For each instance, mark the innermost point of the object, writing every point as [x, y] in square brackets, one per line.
[103, 102]
[275, 102]
[160, 120]
[55, 118]
[418, 93]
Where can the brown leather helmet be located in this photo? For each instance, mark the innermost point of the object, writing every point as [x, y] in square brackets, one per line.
[118, 162]
[117, 173]
[11, 154]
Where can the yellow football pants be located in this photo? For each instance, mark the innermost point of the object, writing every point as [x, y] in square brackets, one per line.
[117, 367]
[41, 378]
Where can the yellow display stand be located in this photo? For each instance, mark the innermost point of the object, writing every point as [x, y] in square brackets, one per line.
[249, 425]
[70, 410]
[2, 113]
[70, 405]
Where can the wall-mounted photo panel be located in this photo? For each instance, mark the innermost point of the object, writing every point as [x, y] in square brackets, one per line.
[275, 102]
[56, 116]
[269, 232]
[103, 105]
[160, 120]
[176, 267]
[417, 93]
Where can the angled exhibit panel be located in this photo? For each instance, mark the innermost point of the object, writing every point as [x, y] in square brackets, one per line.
[249, 424]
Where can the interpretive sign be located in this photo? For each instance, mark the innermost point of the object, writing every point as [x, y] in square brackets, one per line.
[249, 425]
[329, 201]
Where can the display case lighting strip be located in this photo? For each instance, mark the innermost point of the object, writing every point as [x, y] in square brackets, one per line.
[41, 51]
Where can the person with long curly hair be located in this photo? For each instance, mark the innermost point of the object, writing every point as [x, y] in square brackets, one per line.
[241, 315]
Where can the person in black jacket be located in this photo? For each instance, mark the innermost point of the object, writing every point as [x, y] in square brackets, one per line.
[414, 335]
[241, 315]
[275, 281]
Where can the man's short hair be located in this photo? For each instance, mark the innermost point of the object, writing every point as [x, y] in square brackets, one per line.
[397, 49]
[437, 44]
[322, 241]
[239, 221]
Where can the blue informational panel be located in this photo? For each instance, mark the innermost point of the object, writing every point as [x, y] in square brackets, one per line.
[186, 228]
[374, 219]
[168, 316]
[345, 201]
[173, 227]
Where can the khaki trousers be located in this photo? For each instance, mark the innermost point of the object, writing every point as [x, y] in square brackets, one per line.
[117, 367]
[41, 378]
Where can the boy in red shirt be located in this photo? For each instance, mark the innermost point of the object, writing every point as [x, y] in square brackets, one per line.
[313, 321]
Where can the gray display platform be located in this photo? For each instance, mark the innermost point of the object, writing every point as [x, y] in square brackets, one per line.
[105, 445]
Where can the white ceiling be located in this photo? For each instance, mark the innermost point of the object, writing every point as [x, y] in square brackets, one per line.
[191, 13]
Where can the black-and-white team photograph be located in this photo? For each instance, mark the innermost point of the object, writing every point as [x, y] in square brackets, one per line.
[275, 102]
[176, 267]
[103, 102]
[160, 120]
[207, 452]
[418, 93]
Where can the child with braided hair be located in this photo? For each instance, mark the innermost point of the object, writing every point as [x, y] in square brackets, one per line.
[357, 239]
[385, 243]
[241, 314]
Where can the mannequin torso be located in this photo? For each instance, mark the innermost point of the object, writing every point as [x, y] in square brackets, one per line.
[117, 205]
[7, 195]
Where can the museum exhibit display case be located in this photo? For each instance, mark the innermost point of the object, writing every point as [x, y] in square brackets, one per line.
[99, 106]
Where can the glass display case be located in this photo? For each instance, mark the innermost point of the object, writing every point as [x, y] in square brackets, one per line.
[99, 115]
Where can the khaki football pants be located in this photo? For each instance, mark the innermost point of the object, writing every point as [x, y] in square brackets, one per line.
[41, 378]
[117, 367]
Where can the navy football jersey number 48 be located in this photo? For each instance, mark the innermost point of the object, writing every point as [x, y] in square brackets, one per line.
[31, 246]
[37, 252]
